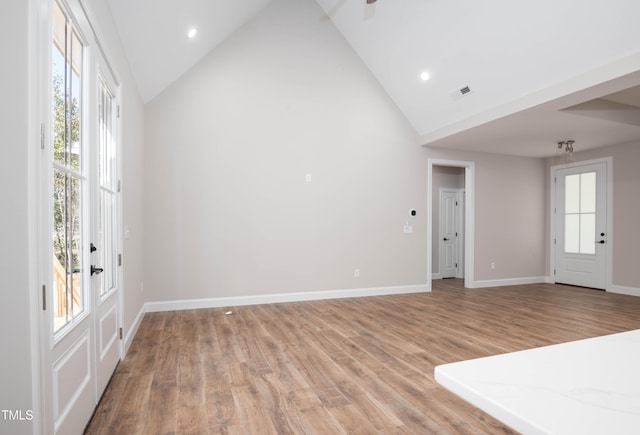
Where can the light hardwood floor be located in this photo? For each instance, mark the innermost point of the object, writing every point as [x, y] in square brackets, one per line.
[352, 366]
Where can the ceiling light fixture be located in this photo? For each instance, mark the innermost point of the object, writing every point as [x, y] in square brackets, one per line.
[567, 144]
[192, 33]
[371, 1]
[424, 76]
[567, 156]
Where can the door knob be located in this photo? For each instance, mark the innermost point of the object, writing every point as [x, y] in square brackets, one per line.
[96, 270]
[602, 242]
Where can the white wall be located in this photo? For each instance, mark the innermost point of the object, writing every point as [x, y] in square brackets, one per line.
[229, 144]
[510, 219]
[626, 209]
[15, 339]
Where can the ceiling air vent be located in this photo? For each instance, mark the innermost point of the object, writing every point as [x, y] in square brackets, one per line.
[459, 93]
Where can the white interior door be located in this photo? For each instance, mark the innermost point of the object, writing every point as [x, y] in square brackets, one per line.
[449, 246]
[581, 225]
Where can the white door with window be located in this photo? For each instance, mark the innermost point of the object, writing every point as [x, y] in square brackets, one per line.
[80, 223]
[581, 225]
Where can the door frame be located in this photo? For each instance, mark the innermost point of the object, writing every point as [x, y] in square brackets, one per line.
[553, 170]
[469, 217]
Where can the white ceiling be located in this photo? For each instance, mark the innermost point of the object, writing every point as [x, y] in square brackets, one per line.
[524, 61]
[154, 32]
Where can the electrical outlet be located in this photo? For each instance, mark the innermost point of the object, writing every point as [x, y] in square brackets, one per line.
[356, 273]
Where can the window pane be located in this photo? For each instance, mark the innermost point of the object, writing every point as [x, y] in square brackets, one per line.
[108, 241]
[588, 192]
[76, 296]
[68, 184]
[588, 233]
[74, 100]
[60, 261]
[58, 85]
[572, 233]
[572, 193]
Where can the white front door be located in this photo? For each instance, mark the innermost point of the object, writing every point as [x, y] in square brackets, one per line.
[79, 221]
[448, 246]
[581, 225]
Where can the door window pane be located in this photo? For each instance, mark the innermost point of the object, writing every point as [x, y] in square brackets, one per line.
[572, 194]
[580, 213]
[588, 192]
[68, 181]
[588, 233]
[572, 233]
[108, 191]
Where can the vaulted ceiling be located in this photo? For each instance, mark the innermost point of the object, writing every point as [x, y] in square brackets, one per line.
[538, 72]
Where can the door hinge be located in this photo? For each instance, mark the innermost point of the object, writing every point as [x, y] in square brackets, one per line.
[456, 265]
[119, 185]
[42, 136]
[456, 234]
[554, 271]
[456, 202]
[119, 259]
[120, 333]
[118, 111]
[44, 298]
[554, 241]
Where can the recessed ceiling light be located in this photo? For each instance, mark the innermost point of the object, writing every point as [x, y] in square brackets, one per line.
[424, 76]
[192, 33]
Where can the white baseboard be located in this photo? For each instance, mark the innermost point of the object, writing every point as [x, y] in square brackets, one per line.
[190, 304]
[631, 291]
[436, 276]
[134, 328]
[510, 281]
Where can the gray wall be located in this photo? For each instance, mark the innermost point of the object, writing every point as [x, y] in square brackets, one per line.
[229, 145]
[510, 214]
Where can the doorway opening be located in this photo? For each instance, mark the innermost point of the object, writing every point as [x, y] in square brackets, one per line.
[461, 173]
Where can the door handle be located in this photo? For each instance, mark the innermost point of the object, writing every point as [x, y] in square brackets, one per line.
[445, 239]
[96, 270]
[602, 242]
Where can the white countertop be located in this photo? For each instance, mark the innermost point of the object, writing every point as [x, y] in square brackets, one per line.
[588, 386]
